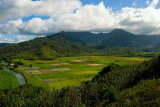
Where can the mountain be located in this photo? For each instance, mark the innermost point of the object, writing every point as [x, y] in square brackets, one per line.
[117, 42]
[122, 38]
[88, 37]
[44, 48]
[5, 44]
[67, 37]
[117, 37]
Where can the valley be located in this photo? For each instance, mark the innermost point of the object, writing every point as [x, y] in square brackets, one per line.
[68, 71]
[94, 69]
[79, 53]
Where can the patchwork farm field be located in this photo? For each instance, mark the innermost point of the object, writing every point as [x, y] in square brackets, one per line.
[69, 71]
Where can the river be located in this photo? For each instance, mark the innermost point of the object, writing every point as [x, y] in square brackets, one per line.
[19, 77]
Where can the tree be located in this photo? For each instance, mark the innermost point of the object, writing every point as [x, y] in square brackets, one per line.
[15, 65]
[30, 65]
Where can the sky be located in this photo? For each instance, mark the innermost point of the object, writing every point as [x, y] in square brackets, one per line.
[22, 20]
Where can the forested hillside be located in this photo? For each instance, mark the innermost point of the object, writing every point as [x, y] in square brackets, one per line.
[114, 85]
[88, 37]
[43, 48]
[117, 37]
[117, 42]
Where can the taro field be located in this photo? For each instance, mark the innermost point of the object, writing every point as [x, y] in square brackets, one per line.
[69, 71]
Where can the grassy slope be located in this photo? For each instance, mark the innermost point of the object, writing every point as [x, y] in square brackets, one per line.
[7, 80]
[36, 81]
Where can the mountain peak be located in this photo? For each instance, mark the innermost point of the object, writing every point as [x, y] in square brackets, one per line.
[119, 31]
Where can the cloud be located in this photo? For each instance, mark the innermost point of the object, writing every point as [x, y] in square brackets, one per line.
[140, 21]
[134, 3]
[5, 40]
[21, 38]
[16, 39]
[154, 3]
[147, 2]
[11, 26]
[12, 9]
[95, 18]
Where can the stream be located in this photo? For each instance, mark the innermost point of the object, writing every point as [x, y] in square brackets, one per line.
[19, 77]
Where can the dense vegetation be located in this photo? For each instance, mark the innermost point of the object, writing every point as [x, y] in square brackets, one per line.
[88, 37]
[43, 48]
[145, 94]
[114, 85]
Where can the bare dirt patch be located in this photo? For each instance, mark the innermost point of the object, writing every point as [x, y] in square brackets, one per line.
[46, 71]
[55, 64]
[30, 68]
[64, 63]
[47, 80]
[60, 69]
[95, 64]
[58, 64]
[81, 61]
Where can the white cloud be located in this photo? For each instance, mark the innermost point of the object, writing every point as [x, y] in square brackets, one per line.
[21, 38]
[89, 17]
[11, 26]
[96, 18]
[134, 3]
[11, 9]
[16, 39]
[3, 39]
[154, 3]
[147, 2]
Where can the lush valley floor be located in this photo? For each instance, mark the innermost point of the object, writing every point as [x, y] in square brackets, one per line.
[69, 71]
[7, 80]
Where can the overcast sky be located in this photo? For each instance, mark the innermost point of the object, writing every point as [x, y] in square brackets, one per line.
[22, 20]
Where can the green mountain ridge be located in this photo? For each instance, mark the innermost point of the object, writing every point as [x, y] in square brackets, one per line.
[121, 38]
[117, 42]
[88, 37]
[44, 48]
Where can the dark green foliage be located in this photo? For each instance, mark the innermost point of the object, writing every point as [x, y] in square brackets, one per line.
[43, 48]
[83, 36]
[67, 37]
[25, 96]
[88, 37]
[19, 62]
[122, 51]
[15, 65]
[0, 67]
[145, 94]
[30, 65]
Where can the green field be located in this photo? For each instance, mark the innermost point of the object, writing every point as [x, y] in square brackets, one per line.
[69, 71]
[7, 80]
